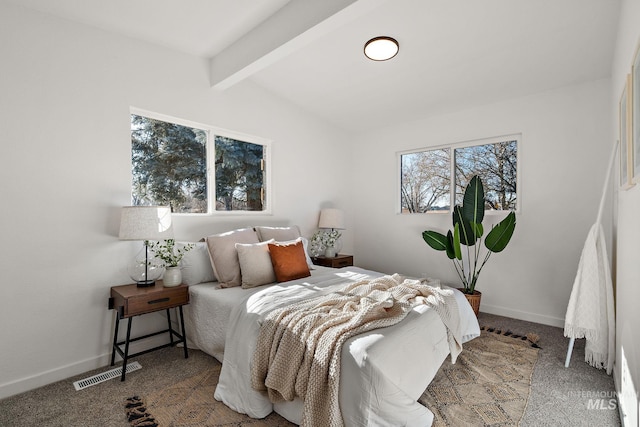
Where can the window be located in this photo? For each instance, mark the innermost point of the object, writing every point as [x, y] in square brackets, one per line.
[426, 180]
[430, 179]
[196, 168]
[239, 175]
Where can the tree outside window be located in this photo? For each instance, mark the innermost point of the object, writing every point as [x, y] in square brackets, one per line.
[239, 175]
[430, 179]
[169, 167]
[426, 179]
[496, 165]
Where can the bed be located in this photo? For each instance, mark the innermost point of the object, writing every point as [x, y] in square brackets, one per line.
[383, 372]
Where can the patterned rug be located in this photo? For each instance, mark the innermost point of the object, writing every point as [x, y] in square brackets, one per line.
[489, 383]
[190, 403]
[488, 386]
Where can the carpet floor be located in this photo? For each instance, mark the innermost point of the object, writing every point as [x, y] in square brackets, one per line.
[558, 396]
[488, 385]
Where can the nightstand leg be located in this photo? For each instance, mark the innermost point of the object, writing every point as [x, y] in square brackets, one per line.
[184, 334]
[126, 350]
[169, 322]
[115, 340]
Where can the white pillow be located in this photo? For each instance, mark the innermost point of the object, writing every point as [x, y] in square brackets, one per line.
[224, 257]
[278, 234]
[196, 264]
[255, 264]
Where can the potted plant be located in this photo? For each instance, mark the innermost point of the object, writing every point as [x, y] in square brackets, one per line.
[171, 256]
[468, 232]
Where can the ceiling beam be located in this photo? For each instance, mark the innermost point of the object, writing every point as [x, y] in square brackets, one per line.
[294, 26]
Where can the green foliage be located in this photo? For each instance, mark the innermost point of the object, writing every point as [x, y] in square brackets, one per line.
[499, 236]
[473, 201]
[468, 231]
[437, 241]
[168, 253]
[168, 165]
[239, 175]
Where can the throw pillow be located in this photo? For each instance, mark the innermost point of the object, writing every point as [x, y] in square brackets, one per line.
[224, 257]
[289, 261]
[255, 264]
[278, 234]
[305, 245]
[196, 264]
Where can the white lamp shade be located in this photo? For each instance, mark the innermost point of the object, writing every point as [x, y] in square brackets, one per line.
[331, 218]
[146, 223]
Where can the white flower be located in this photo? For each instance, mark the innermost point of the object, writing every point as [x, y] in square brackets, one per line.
[323, 239]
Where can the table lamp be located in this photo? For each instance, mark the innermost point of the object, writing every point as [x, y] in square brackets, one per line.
[333, 219]
[145, 223]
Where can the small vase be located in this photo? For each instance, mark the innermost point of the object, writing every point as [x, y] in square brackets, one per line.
[172, 277]
[330, 252]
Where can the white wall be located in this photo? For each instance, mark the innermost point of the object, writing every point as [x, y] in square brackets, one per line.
[66, 90]
[628, 235]
[566, 141]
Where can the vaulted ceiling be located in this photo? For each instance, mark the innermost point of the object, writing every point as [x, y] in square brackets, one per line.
[453, 53]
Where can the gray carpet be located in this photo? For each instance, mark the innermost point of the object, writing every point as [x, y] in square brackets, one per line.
[559, 396]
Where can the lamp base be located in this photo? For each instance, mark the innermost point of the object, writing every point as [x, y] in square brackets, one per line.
[145, 269]
[145, 283]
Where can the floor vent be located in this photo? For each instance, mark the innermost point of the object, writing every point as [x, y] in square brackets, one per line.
[105, 376]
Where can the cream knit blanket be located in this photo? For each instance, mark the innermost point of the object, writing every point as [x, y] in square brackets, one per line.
[299, 346]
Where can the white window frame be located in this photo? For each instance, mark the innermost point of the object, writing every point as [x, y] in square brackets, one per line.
[452, 190]
[211, 132]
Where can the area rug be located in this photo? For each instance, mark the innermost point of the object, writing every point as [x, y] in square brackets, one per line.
[190, 403]
[488, 386]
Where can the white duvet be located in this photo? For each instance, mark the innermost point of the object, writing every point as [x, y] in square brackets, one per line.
[383, 372]
[207, 314]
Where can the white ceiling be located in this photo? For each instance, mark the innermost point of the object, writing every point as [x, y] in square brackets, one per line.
[453, 53]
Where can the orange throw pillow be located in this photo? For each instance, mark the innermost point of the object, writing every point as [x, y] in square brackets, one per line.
[289, 261]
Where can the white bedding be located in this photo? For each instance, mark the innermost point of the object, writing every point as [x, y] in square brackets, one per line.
[207, 314]
[383, 372]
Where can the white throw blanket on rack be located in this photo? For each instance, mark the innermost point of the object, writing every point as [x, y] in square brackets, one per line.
[590, 311]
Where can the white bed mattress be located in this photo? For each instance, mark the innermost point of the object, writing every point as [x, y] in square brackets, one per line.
[383, 372]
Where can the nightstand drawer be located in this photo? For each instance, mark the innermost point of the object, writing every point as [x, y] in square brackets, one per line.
[150, 302]
[132, 301]
[338, 261]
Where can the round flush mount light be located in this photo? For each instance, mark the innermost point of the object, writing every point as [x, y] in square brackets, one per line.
[381, 48]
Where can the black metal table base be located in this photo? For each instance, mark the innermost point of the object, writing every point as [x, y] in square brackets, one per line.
[181, 338]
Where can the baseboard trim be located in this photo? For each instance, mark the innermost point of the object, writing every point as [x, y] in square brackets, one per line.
[47, 377]
[522, 315]
[67, 371]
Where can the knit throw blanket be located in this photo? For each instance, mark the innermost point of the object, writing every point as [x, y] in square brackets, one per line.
[299, 346]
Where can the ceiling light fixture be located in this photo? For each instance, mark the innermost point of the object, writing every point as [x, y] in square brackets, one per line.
[381, 48]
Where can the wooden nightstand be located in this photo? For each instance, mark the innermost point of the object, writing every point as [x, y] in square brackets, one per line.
[131, 301]
[337, 261]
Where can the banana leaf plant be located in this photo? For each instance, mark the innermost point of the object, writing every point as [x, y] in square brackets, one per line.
[468, 231]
